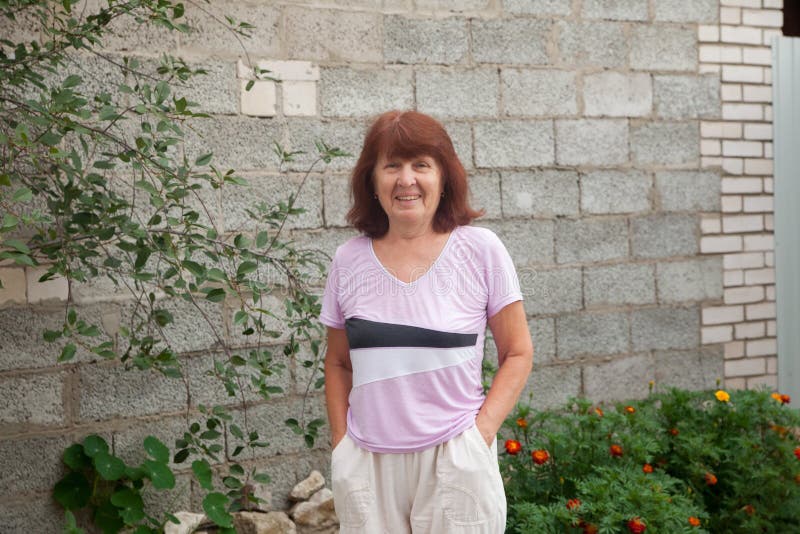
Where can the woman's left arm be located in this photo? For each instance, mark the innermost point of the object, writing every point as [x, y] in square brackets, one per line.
[515, 358]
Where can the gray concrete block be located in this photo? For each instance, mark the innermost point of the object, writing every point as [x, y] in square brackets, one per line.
[519, 41]
[687, 97]
[161, 502]
[485, 193]
[663, 47]
[205, 387]
[33, 400]
[269, 301]
[302, 134]
[619, 285]
[21, 342]
[31, 464]
[616, 94]
[452, 5]
[461, 135]
[529, 242]
[551, 386]
[223, 135]
[660, 236]
[18, 515]
[665, 328]
[269, 190]
[464, 93]
[590, 240]
[210, 35]
[109, 391]
[129, 440]
[615, 9]
[25, 27]
[696, 369]
[431, 41]
[314, 33]
[543, 335]
[537, 7]
[688, 190]
[592, 334]
[551, 291]
[337, 199]
[544, 193]
[591, 141]
[98, 75]
[615, 191]
[702, 11]
[538, 92]
[619, 379]
[593, 43]
[681, 281]
[514, 143]
[126, 34]
[665, 143]
[348, 92]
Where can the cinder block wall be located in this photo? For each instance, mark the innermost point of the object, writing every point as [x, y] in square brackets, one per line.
[589, 129]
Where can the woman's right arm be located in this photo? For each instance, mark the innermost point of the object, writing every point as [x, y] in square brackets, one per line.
[338, 382]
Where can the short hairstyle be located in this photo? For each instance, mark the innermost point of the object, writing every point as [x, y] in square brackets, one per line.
[405, 135]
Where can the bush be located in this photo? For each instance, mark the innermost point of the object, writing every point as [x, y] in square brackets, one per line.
[679, 461]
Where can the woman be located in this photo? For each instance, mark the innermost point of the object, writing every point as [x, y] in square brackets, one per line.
[406, 306]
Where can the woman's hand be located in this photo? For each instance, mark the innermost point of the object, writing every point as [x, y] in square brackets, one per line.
[486, 429]
[335, 440]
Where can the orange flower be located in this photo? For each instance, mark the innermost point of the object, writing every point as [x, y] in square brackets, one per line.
[588, 528]
[748, 509]
[710, 479]
[630, 409]
[636, 526]
[573, 503]
[647, 468]
[777, 397]
[797, 452]
[797, 478]
[722, 395]
[522, 423]
[615, 450]
[778, 429]
[540, 456]
[785, 399]
[674, 431]
[694, 521]
[513, 446]
[599, 411]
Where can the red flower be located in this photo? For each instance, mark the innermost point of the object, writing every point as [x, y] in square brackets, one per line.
[674, 431]
[647, 468]
[573, 503]
[615, 450]
[540, 456]
[797, 478]
[636, 526]
[588, 528]
[522, 423]
[513, 446]
[748, 509]
[599, 411]
[694, 521]
[630, 409]
[797, 452]
[710, 479]
[785, 399]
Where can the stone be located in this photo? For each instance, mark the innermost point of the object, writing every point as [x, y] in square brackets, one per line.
[688, 190]
[663, 47]
[188, 523]
[537, 93]
[697, 279]
[460, 93]
[591, 240]
[260, 491]
[665, 328]
[619, 285]
[550, 386]
[592, 43]
[485, 193]
[551, 291]
[521, 41]
[514, 143]
[544, 340]
[619, 379]
[336, 196]
[430, 41]
[317, 513]
[529, 242]
[211, 37]
[307, 487]
[351, 92]
[14, 286]
[258, 523]
[615, 9]
[591, 141]
[687, 97]
[260, 100]
[545, 193]
[616, 94]
[316, 34]
[693, 369]
[303, 133]
[30, 465]
[32, 400]
[663, 235]
[591, 334]
[701, 11]
[665, 143]
[615, 191]
[17, 514]
[537, 7]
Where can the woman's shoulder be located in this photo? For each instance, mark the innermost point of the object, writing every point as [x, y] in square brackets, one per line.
[478, 235]
[352, 247]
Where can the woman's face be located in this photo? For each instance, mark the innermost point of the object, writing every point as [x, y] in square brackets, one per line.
[409, 190]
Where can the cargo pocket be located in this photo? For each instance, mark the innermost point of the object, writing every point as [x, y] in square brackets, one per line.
[352, 492]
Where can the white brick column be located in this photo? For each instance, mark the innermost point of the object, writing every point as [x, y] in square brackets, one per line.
[741, 144]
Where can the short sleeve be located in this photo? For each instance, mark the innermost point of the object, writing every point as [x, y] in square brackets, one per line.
[331, 314]
[502, 281]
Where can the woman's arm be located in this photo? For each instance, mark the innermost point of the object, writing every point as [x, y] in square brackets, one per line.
[338, 382]
[515, 357]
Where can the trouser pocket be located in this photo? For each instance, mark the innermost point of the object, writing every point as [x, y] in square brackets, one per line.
[352, 492]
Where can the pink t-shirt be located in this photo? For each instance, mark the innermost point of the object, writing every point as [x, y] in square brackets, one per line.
[416, 349]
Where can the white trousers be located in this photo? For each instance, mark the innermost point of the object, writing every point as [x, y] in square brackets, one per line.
[454, 487]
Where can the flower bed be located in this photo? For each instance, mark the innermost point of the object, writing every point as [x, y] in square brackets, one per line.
[680, 461]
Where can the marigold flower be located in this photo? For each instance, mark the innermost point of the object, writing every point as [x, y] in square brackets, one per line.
[785, 399]
[513, 446]
[573, 503]
[722, 395]
[694, 521]
[636, 526]
[647, 468]
[797, 453]
[748, 509]
[630, 409]
[710, 479]
[615, 450]
[674, 431]
[777, 397]
[540, 456]
[522, 423]
[797, 478]
[599, 411]
[588, 528]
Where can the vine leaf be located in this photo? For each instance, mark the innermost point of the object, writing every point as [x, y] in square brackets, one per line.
[157, 450]
[72, 491]
[160, 474]
[202, 470]
[214, 506]
[94, 444]
[109, 466]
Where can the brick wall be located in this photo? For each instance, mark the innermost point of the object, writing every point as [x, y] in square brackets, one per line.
[620, 148]
[738, 49]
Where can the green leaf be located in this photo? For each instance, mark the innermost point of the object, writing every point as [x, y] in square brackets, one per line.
[160, 474]
[109, 466]
[74, 457]
[156, 449]
[214, 505]
[194, 268]
[181, 456]
[71, 526]
[50, 139]
[261, 239]
[205, 159]
[23, 194]
[216, 295]
[232, 482]
[263, 478]
[162, 317]
[240, 317]
[71, 81]
[93, 445]
[202, 471]
[73, 491]
[67, 353]
[16, 244]
[130, 500]
[107, 517]
[51, 335]
[246, 268]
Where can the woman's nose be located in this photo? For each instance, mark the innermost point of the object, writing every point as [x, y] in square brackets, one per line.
[407, 176]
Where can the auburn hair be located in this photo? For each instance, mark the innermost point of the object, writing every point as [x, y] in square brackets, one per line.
[406, 135]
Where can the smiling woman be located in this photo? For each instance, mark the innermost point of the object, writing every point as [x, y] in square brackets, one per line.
[407, 305]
